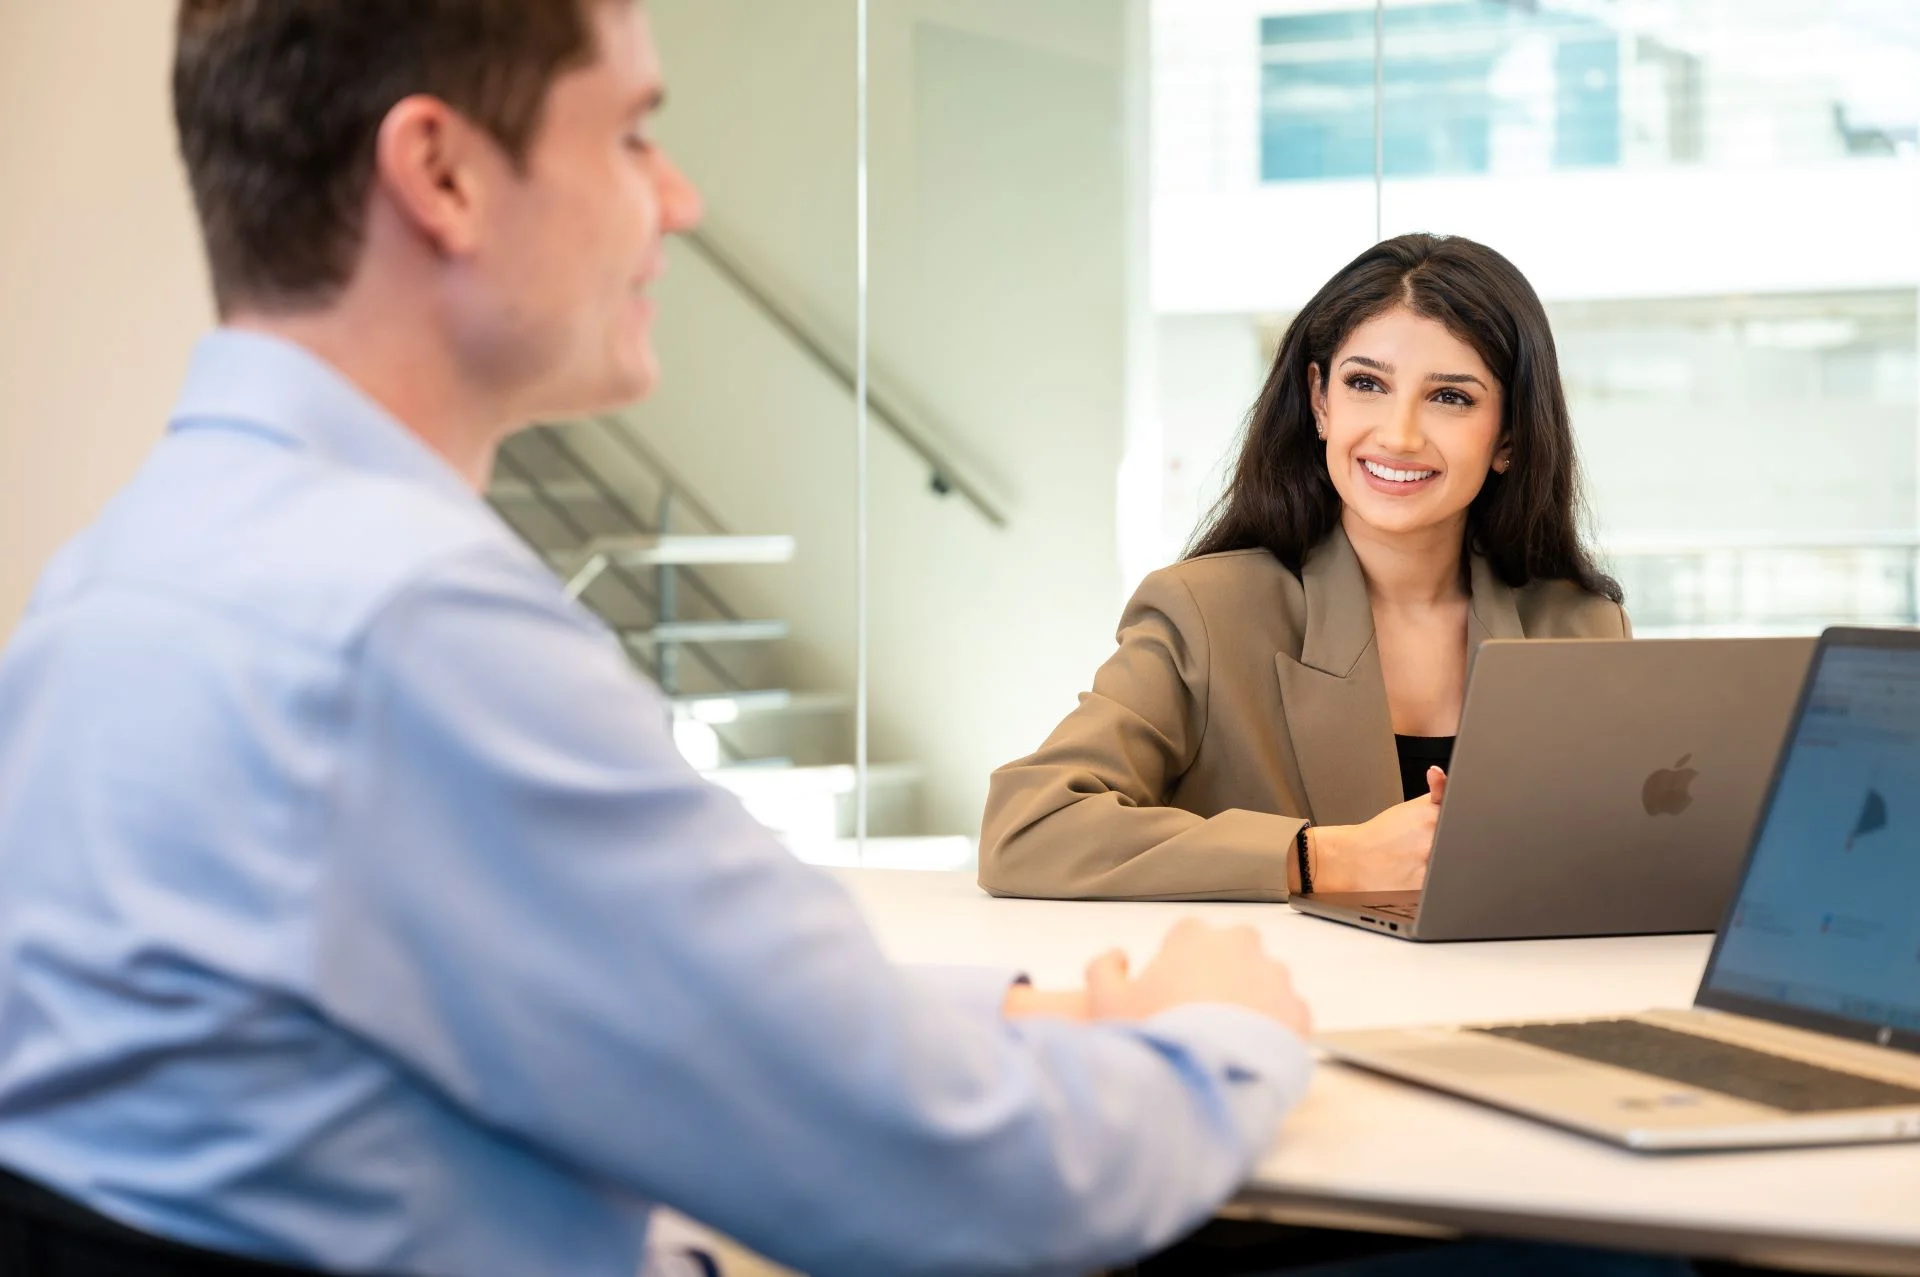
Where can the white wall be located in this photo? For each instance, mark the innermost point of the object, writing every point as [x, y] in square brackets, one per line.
[101, 284]
[1000, 286]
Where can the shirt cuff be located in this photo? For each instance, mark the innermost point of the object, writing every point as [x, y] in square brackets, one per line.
[1265, 1065]
[982, 990]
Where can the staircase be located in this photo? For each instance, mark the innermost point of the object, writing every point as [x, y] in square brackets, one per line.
[635, 545]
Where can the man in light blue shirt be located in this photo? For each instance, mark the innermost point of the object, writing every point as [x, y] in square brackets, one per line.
[356, 911]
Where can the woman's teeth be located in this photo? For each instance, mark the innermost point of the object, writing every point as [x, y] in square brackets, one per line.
[1379, 471]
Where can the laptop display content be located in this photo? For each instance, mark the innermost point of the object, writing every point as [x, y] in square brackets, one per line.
[1825, 929]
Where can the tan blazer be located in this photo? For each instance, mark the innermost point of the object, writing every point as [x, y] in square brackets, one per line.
[1242, 701]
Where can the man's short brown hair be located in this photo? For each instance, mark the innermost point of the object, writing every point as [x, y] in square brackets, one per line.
[279, 105]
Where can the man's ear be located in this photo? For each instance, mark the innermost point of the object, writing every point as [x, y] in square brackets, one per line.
[429, 162]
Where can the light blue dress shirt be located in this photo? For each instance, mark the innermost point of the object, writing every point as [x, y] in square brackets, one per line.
[356, 911]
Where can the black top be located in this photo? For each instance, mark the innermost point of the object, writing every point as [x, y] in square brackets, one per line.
[1417, 753]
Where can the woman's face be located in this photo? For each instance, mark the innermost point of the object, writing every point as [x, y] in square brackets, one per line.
[1411, 418]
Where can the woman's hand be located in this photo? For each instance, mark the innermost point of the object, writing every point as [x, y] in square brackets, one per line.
[1388, 853]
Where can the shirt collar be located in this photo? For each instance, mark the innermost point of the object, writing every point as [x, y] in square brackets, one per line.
[269, 385]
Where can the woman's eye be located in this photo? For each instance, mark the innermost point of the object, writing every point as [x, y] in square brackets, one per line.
[1455, 398]
[1360, 381]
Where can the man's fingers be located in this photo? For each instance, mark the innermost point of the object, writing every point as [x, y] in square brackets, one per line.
[1107, 969]
[1246, 937]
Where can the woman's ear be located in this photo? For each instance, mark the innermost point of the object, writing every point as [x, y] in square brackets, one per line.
[1317, 397]
[1503, 456]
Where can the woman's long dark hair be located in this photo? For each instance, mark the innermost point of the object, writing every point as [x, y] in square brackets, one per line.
[1527, 522]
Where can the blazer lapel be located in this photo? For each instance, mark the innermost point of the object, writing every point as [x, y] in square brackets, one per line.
[1493, 612]
[1334, 698]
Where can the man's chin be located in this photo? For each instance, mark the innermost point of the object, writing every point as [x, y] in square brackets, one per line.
[619, 387]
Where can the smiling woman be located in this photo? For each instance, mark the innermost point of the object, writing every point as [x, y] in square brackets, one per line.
[1282, 706]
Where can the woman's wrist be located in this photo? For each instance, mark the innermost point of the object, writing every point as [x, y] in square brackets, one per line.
[1327, 857]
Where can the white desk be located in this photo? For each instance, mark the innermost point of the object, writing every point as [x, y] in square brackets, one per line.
[1373, 1152]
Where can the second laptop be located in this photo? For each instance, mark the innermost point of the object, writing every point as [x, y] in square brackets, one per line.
[1597, 788]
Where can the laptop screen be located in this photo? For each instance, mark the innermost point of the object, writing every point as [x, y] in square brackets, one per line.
[1825, 930]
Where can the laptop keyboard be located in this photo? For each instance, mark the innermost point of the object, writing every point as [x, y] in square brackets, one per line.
[1711, 1065]
[1395, 911]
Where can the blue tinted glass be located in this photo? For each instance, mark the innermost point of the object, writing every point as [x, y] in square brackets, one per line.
[1586, 72]
[1440, 102]
[1317, 96]
[1829, 915]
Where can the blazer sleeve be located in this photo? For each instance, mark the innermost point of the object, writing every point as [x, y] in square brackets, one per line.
[1087, 815]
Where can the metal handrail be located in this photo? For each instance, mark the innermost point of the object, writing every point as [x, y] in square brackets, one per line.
[614, 501]
[649, 458]
[628, 582]
[946, 473]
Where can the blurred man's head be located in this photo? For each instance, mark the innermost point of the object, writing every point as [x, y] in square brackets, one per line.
[482, 165]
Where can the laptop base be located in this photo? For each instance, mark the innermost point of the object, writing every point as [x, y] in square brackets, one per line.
[1632, 1110]
[1392, 913]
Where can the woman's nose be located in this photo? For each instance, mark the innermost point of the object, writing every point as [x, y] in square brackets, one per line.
[1400, 432]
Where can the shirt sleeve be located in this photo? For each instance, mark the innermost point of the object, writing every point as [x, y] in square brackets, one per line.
[535, 903]
[983, 989]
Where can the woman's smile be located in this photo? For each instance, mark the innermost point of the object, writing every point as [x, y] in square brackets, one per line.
[1398, 479]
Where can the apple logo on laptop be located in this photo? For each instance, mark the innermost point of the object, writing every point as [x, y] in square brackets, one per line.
[1669, 792]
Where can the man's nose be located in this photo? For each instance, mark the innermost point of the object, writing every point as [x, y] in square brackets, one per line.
[681, 206]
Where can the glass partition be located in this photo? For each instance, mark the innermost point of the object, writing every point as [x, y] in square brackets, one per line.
[1086, 224]
[1092, 219]
[1007, 168]
[715, 523]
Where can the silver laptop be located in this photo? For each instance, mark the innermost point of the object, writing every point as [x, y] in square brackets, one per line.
[1597, 788]
[1806, 1028]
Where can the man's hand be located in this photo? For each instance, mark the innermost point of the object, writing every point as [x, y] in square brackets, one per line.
[1024, 999]
[1197, 963]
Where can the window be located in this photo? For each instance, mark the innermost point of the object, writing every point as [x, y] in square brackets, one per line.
[1719, 203]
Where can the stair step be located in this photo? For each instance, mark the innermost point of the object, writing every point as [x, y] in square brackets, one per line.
[721, 708]
[836, 778]
[812, 807]
[679, 551]
[710, 632]
[565, 491]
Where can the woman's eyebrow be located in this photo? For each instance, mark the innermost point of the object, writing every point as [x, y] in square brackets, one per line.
[1364, 362]
[1458, 379]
